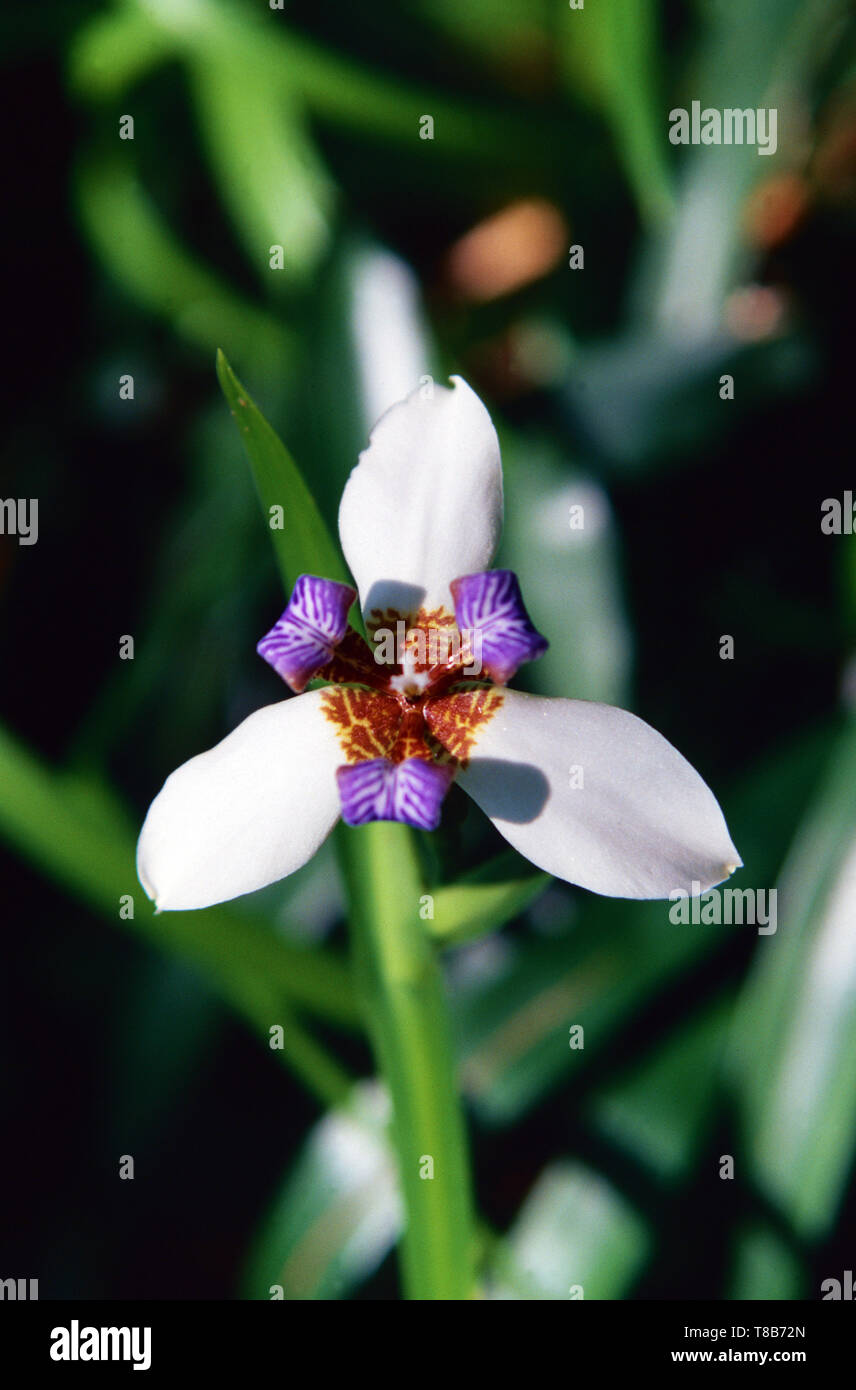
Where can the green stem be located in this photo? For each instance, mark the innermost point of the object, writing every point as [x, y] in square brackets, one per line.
[405, 1012]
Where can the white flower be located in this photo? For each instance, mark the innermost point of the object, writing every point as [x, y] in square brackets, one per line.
[419, 522]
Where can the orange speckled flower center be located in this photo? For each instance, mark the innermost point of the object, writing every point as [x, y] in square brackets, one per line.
[418, 706]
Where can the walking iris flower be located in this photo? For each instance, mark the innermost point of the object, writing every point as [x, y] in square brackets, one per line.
[587, 792]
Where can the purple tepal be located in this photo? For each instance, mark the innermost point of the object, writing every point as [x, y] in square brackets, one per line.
[310, 629]
[411, 791]
[490, 607]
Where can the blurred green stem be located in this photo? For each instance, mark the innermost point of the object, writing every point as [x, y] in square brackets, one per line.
[312, 1064]
[405, 1013]
[259, 1000]
[117, 49]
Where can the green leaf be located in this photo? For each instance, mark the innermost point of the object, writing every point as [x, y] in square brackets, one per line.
[661, 1110]
[74, 830]
[614, 45]
[338, 1213]
[115, 50]
[794, 1046]
[478, 903]
[367, 99]
[745, 53]
[303, 545]
[267, 171]
[573, 1232]
[330, 84]
[764, 1266]
[137, 247]
[191, 642]
[514, 1028]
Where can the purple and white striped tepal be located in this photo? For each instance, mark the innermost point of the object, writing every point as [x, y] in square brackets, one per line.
[411, 791]
[310, 629]
[491, 603]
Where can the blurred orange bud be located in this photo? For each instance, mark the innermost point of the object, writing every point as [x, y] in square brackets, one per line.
[834, 165]
[755, 312]
[508, 250]
[775, 209]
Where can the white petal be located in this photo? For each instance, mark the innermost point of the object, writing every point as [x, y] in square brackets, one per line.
[246, 813]
[424, 504]
[642, 824]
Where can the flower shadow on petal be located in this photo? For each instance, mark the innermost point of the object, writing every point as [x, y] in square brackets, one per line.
[516, 792]
[390, 596]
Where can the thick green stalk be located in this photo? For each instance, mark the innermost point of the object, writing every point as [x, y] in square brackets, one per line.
[405, 1013]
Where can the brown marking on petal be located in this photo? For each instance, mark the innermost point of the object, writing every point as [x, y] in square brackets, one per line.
[430, 637]
[455, 720]
[411, 741]
[425, 617]
[367, 723]
[434, 617]
[353, 663]
[383, 617]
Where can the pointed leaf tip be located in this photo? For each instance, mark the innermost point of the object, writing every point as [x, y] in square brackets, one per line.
[304, 545]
